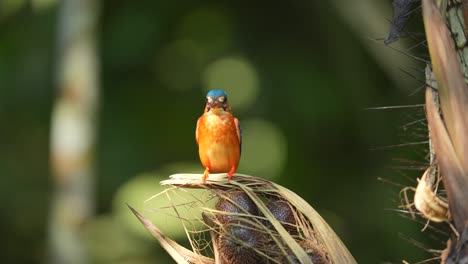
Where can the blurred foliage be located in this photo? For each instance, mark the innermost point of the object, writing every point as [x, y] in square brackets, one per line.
[299, 77]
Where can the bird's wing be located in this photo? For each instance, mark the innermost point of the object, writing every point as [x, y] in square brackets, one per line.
[239, 131]
[196, 130]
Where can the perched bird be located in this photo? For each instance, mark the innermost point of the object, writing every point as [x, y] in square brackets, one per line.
[218, 136]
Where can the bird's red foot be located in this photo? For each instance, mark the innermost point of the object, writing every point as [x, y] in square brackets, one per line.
[205, 174]
[231, 172]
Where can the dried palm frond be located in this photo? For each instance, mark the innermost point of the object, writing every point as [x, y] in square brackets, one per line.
[450, 134]
[448, 125]
[254, 221]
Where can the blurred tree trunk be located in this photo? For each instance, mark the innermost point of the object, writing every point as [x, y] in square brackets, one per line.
[73, 131]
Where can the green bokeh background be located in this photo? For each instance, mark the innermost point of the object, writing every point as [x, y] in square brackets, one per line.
[299, 74]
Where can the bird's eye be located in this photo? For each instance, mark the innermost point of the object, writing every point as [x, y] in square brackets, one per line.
[209, 99]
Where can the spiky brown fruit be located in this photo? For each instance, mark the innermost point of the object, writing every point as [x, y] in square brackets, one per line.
[282, 211]
[235, 202]
[241, 243]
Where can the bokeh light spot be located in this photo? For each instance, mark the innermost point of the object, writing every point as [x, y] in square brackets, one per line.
[42, 5]
[183, 167]
[9, 7]
[236, 76]
[108, 242]
[159, 210]
[264, 149]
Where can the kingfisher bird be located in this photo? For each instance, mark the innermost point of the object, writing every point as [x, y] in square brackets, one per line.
[218, 135]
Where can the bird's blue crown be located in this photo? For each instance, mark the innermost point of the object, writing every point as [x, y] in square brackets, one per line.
[216, 93]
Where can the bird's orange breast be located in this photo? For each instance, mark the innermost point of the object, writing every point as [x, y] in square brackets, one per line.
[218, 141]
